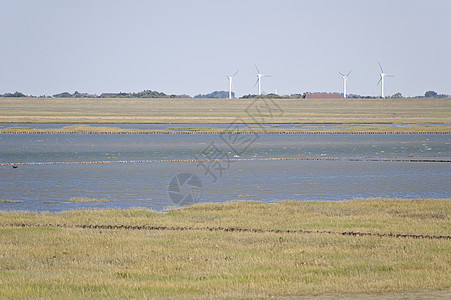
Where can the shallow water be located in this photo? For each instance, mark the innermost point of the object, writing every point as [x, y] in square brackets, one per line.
[93, 147]
[50, 187]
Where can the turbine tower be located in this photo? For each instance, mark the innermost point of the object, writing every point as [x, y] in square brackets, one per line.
[230, 83]
[345, 82]
[382, 80]
[259, 80]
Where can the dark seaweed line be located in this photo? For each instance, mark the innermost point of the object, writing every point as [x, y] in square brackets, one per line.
[428, 160]
[231, 229]
[226, 132]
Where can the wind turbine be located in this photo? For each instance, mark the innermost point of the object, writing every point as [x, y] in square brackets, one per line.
[345, 82]
[382, 80]
[259, 80]
[230, 83]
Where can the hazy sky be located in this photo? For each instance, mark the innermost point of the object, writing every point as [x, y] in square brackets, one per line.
[187, 46]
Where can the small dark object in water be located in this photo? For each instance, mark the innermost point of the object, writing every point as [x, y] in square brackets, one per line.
[15, 167]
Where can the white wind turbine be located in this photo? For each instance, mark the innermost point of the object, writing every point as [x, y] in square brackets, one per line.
[382, 80]
[259, 80]
[230, 83]
[345, 82]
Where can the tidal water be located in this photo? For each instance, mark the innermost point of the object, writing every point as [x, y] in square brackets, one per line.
[49, 187]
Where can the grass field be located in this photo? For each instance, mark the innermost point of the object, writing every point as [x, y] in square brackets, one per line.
[42, 260]
[351, 128]
[351, 111]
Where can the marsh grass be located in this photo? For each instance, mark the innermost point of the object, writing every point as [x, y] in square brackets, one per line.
[11, 201]
[19, 128]
[88, 200]
[349, 128]
[48, 262]
[194, 128]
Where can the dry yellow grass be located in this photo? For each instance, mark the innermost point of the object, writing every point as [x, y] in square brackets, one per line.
[70, 262]
[67, 110]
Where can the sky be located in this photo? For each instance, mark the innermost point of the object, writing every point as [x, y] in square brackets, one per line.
[188, 46]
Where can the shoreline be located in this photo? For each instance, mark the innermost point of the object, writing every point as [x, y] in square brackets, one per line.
[364, 159]
[232, 128]
[351, 129]
[234, 132]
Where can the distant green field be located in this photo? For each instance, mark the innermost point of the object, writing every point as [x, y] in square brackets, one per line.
[399, 249]
[351, 111]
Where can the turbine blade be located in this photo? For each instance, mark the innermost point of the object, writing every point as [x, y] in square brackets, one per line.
[382, 71]
[267, 76]
[256, 82]
[349, 73]
[379, 81]
[257, 69]
[235, 73]
[390, 75]
[341, 74]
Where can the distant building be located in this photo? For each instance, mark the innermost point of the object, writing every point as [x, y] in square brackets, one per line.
[323, 96]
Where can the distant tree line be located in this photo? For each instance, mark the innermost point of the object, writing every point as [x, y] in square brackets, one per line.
[215, 94]
[362, 97]
[274, 96]
[432, 94]
[74, 95]
[143, 94]
[15, 95]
